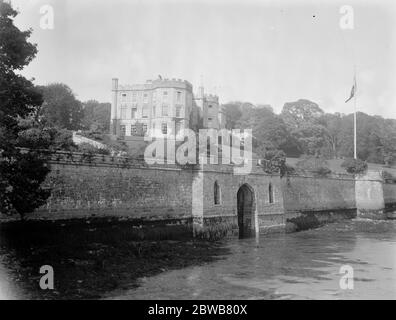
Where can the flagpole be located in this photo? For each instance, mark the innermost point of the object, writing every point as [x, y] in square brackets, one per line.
[354, 131]
[354, 121]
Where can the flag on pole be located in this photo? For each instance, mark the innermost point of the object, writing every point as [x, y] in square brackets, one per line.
[353, 91]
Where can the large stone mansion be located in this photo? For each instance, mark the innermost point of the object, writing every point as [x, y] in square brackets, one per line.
[162, 108]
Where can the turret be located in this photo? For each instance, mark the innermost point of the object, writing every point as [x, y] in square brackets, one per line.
[113, 114]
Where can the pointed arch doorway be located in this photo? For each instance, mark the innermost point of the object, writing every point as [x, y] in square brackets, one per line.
[246, 207]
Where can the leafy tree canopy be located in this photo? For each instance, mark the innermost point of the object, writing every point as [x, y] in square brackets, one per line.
[96, 116]
[302, 128]
[60, 107]
[21, 172]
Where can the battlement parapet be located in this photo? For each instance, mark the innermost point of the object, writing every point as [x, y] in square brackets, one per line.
[212, 97]
[157, 83]
[171, 83]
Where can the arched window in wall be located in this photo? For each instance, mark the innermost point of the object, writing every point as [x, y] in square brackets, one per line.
[270, 194]
[216, 193]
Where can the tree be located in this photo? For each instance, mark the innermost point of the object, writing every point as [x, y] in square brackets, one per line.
[370, 137]
[21, 171]
[311, 138]
[388, 142]
[60, 107]
[332, 124]
[269, 131]
[298, 113]
[232, 113]
[96, 116]
[303, 128]
[302, 120]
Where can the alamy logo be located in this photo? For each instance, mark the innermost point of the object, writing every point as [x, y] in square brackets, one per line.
[212, 146]
[346, 281]
[47, 280]
[347, 18]
[47, 18]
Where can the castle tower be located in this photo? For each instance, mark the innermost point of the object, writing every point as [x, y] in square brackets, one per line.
[113, 114]
[158, 108]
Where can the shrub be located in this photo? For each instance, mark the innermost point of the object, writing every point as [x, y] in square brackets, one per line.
[322, 171]
[354, 166]
[92, 134]
[303, 222]
[117, 146]
[87, 148]
[274, 161]
[34, 137]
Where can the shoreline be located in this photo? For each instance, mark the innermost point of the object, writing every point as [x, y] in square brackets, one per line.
[93, 259]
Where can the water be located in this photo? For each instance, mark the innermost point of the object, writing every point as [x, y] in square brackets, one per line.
[9, 289]
[304, 265]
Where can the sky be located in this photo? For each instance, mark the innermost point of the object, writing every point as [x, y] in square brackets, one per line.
[263, 52]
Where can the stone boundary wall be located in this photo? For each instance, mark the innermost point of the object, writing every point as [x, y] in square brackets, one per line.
[86, 185]
[309, 193]
[390, 195]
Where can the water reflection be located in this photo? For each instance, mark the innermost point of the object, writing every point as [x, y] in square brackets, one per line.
[301, 265]
[8, 288]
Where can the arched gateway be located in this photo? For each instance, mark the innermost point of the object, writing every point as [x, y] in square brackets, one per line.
[246, 207]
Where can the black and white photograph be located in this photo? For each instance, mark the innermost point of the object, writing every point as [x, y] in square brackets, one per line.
[197, 155]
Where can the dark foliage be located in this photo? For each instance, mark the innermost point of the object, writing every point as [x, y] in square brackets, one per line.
[60, 107]
[303, 128]
[354, 166]
[96, 116]
[89, 149]
[21, 172]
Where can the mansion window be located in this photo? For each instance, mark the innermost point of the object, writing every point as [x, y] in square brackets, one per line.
[123, 113]
[145, 98]
[164, 128]
[178, 111]
[133, 113]
[122, 130]
[123, 98]
[164, 110]
[178, 127]
[145, 111]
[134, 96]
[133, 130]
[178, 96]
[138, 129]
